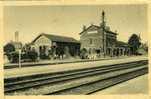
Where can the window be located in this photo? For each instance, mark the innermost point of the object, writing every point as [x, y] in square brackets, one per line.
[40, 48]
[90, 40]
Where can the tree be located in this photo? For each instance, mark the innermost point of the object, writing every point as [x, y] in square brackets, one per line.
[8, 48]
[134, 42]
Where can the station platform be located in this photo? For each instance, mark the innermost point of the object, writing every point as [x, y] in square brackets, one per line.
[138, 85]
[18, 72]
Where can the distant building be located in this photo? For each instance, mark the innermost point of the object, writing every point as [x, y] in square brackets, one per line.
[45, 43]
[100, 39]
[122, 48]
[16, 43]
[92, 38]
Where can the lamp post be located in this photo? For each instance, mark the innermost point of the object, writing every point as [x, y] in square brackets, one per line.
[104, 35]
[19, 62]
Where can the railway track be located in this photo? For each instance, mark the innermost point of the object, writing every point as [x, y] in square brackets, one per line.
[90, 88]
[22, 83]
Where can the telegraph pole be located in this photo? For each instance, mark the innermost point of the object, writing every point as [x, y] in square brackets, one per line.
[104, 36]
[19, 62]
[19, 50]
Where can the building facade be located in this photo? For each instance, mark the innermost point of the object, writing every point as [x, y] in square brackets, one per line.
[45, 43]
[91, 38]
[100, 39]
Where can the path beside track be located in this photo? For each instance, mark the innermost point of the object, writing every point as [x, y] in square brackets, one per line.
[18, 72]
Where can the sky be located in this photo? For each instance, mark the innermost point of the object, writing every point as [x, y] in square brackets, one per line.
[68, 20]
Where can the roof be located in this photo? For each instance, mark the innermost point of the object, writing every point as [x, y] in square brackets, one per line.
[91, 26]
[121, 44]
[97, 27]
[110, 32]
[57, 38]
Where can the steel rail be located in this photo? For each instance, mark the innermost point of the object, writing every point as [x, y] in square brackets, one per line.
[56, 79]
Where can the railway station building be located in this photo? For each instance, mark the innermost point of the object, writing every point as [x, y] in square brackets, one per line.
[44, 43]
[100, 39]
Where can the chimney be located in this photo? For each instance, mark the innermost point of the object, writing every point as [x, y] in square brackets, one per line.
[84, 27]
